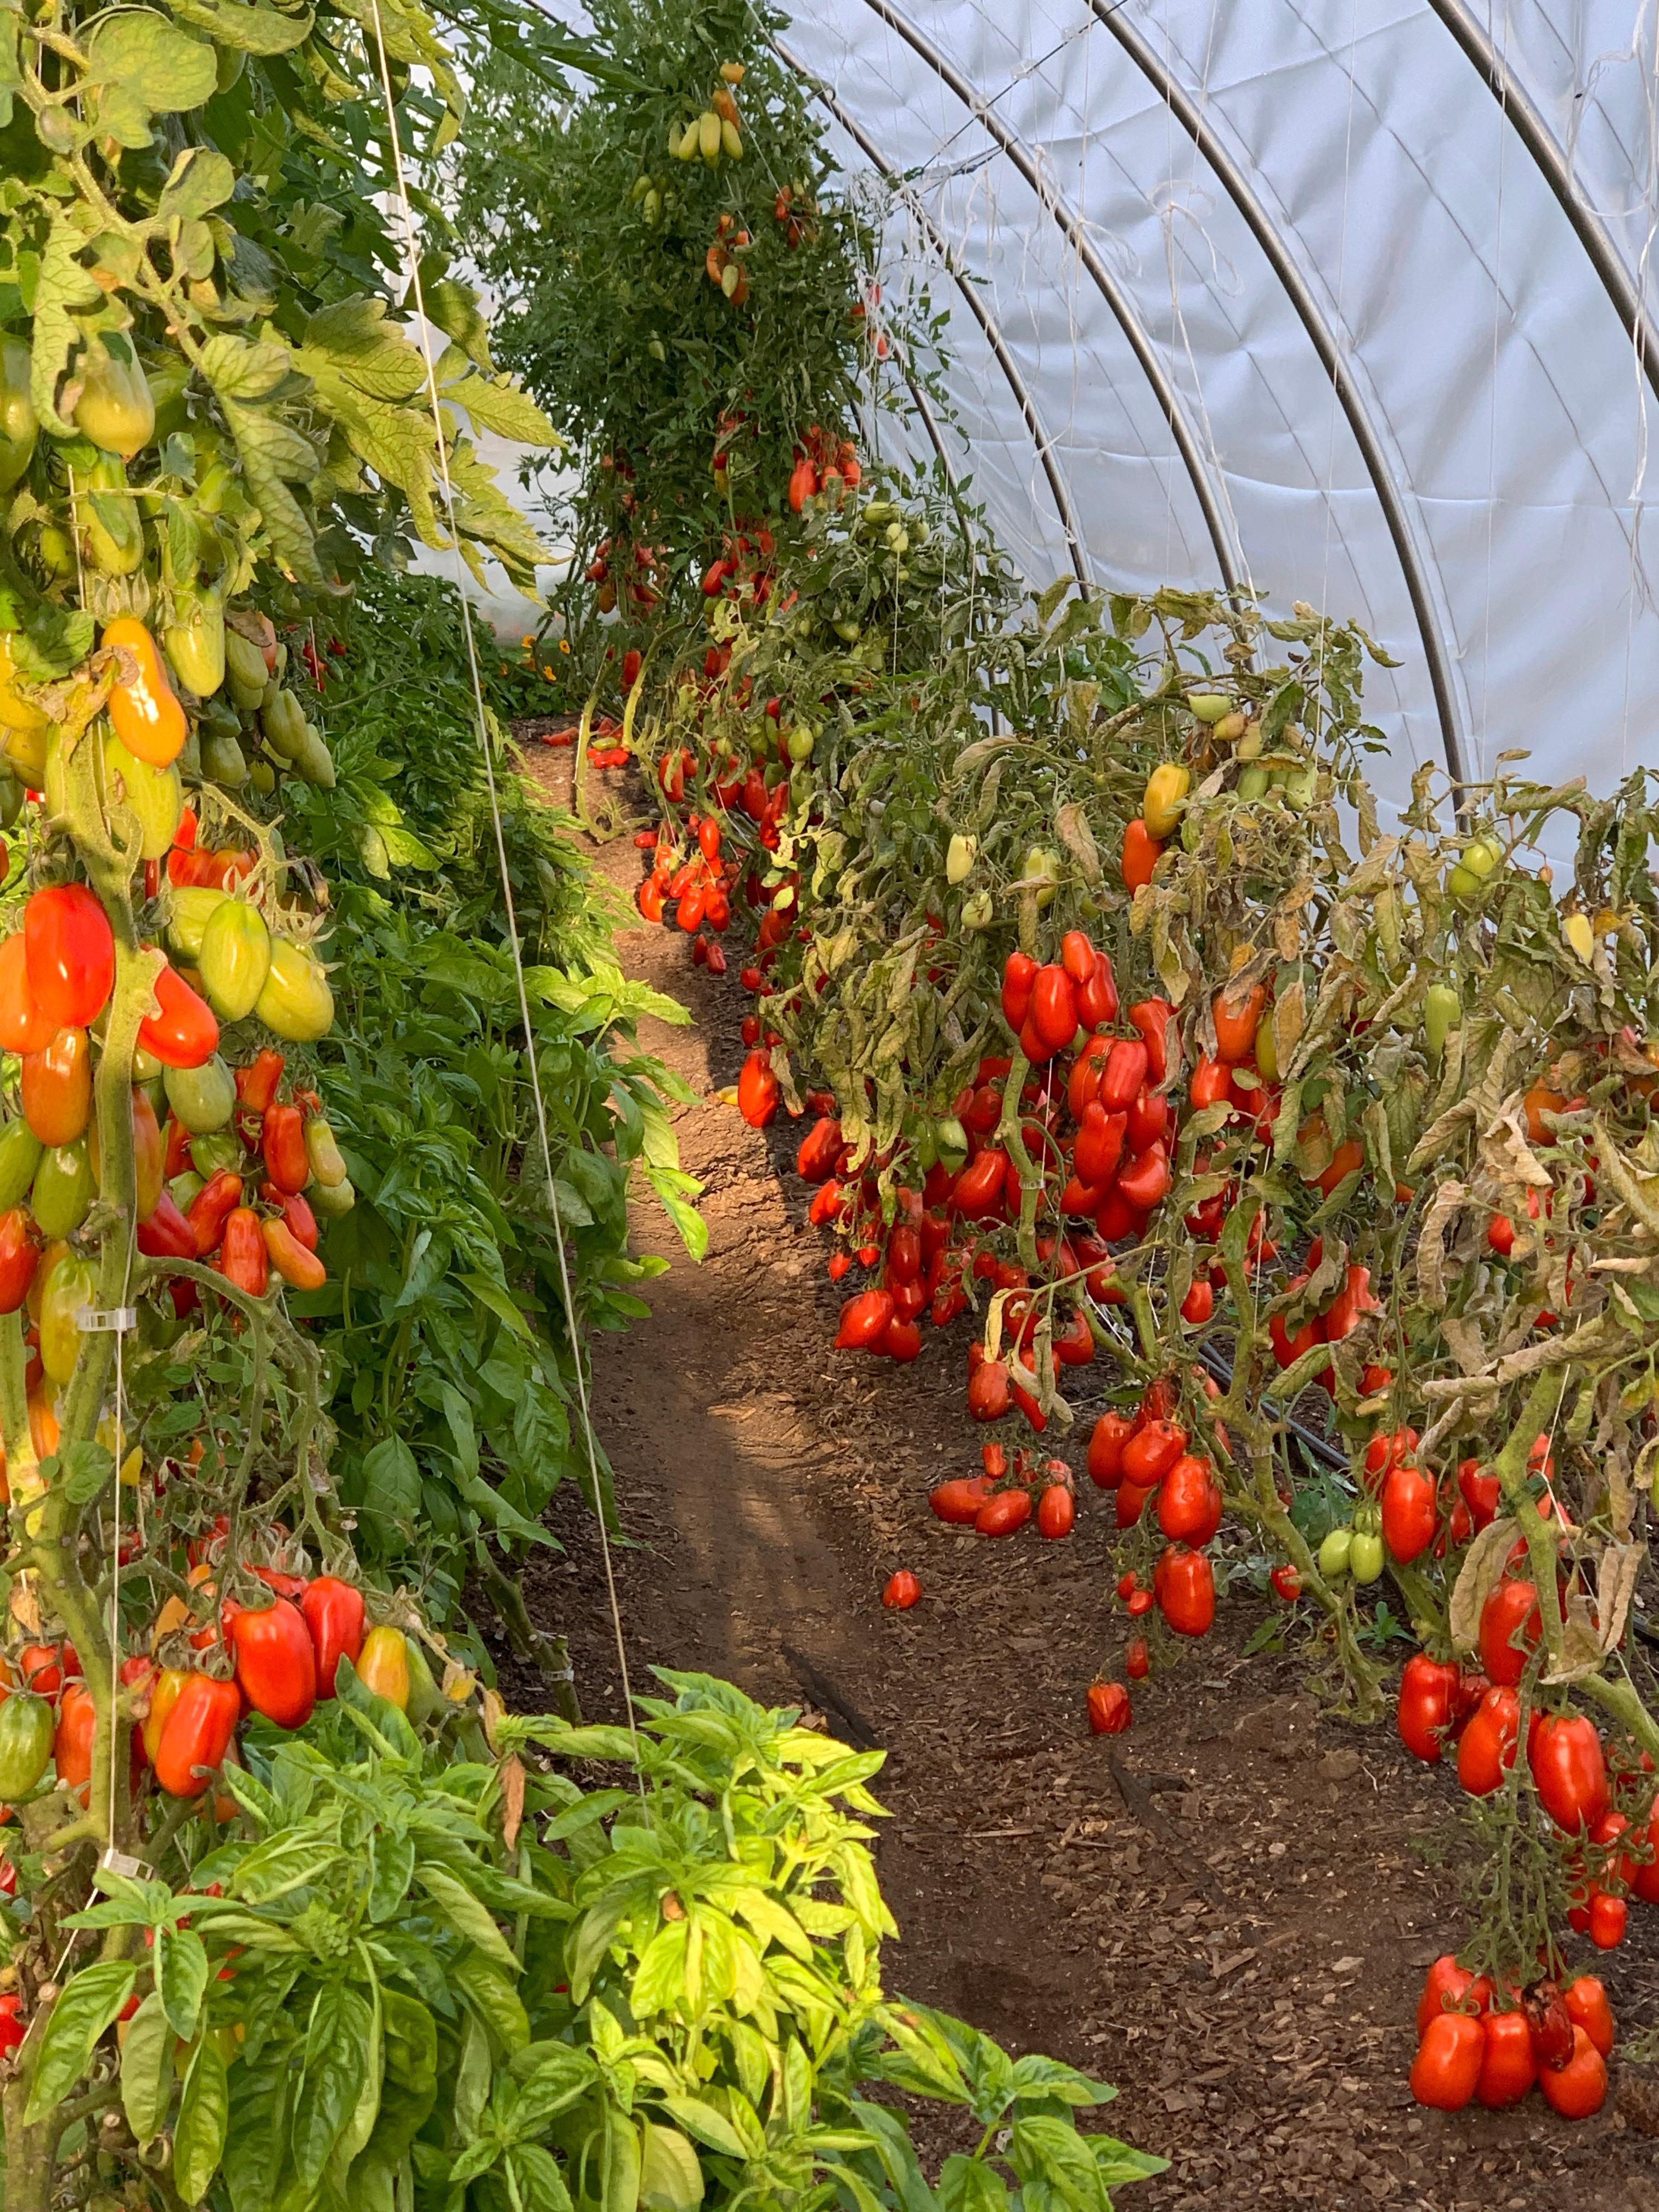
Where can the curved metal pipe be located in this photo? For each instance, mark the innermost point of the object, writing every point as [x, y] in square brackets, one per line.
[1546, 151]
[976, 306]
[1412, 562]
[1228, 553]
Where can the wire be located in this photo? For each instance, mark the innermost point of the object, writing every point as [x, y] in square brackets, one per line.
[412, 246]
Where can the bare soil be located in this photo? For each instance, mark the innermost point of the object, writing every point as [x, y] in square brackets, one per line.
[1227, 1912]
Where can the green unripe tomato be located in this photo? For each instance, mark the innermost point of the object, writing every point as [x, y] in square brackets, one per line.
[19, 1156]
[1334, 1553]
[1210, 706]
[204, 1097]
[154, 794]
[235, 959]
[64, 1187]
[801, 741]
[1366, 1557]
[1252, 781]
[976, 911]
[218, 1148]
[959, 857]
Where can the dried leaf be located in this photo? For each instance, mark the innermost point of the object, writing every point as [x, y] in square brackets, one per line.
[1431, 1248]
[511, 1778]
[1071, 827]
[1478, 1577]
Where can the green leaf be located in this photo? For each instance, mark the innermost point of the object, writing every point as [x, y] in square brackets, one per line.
[707, 2122]
[89, 2001]
[90, 1465]
[494, 1998]
[202, 179]
[967, 2184]
[246, 30]
[500, 1304]
[392, 1482]
[181, 1978]
[1116, 2161]
[61, 286]
[671, 2173]
[152, 63]
[198, 2142]
[619, 2171]
[337, 2066]
[147, 2069]
[472, 1921]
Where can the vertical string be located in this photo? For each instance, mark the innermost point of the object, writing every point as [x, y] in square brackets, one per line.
[413, 249]
[1491, 426]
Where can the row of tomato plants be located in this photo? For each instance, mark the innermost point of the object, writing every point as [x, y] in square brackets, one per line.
[1117, 1043]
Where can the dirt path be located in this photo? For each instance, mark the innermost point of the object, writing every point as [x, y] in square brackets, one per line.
[1227, 1913]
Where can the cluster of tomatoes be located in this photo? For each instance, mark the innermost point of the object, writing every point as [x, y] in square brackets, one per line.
[1469, 2050]
[823, 465]
[282, 1656]
[1007, 1496]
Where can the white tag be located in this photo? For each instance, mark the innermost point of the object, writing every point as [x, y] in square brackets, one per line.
[97, 1320]
[119, 1863]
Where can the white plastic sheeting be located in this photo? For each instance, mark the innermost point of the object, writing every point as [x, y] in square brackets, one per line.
[1260, 182]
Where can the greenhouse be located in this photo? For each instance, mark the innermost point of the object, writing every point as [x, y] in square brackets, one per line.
[828, 1106]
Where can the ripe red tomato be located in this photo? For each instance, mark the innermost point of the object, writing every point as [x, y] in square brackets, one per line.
[902, 1591]
[1510, 1626]
[276, 1662]
[1286, 1581]
[1143, 1180]
[1198, 1304]
[959, 1500]
[757, 1090]
[243, 1259]
[1609, 1920]
[1187, 1590]
[1409, 1512]
[69, 950]
[988, 1391]
[1131, 1503]
[901, 1340]
[71, 1744]
[1141, 851]
[1052, 1009]
[1057, 1511]
[1018, 972]
[1448, 1986]
[333, 1613]
[1109, 1712]
[979, 1187]
[1509, 2065]
[1487, 1748]
[1152, 1451]
[1137, 1659]
[24, 1026]
[14, 2027]
[1189, 1502]
[1001, 1515]
[19, 1256]
[1580, 2087]
[1428, 1690]
[864, 1320]
[1447, 2069]
[1111, 1433]
[1236, 1020]
[1586, 2001]
[182, 1032]
[1568, 1770]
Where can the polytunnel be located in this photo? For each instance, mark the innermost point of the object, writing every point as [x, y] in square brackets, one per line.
[1342, 301]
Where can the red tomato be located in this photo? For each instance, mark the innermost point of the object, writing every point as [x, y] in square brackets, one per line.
[1509, 2065]
[1131, 1505]
[1141, 856]
[902, 1591]
[1137, 1659]
[1510, 1626]
[24, 1027]
[19, 1256]
[68, 954]
[864, 1320]
[1609, 1920]
[1448, 1985]
[820, 1151]
[1152, 1451]
[1057, 1511]
[988, 1391]
[1580, 2087]
[1586, 2001]
[1428, 1688]
[1018, 972]
[959, 1500]
[276, 1662]
[1078, 956]
[1123, 1076]
[71, 1746]
[1199, 1304]
[757, 1090]
[282, 1142]
[1409, 1512]
[243, 1259]
[1236, 1020]
[1485, 1750]
[1110, 1712]
[901, 1341]
[1054, 1009]
[1143, 1181]
[1447, 2069]
[1112, 1432]
[1568, 1769]
[1001, 1515]
[197, 1734]
[333, 1613]
[1189, 1502]
[1186, 1594]
[1286, 1581]
[182, 1032]
[1481, 1493]
[13, 2026]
